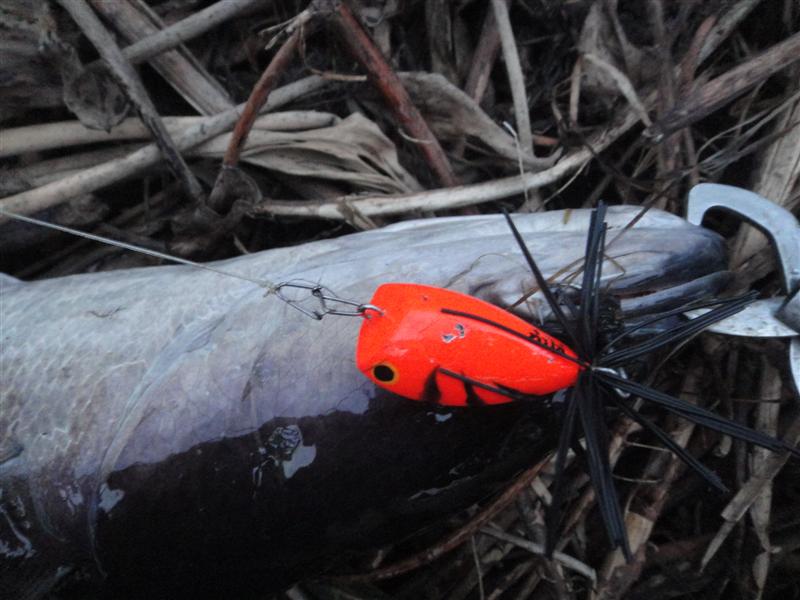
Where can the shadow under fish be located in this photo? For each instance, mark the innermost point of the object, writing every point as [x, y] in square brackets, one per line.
[171, 431]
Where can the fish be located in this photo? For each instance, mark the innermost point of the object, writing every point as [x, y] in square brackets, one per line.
[175, 432]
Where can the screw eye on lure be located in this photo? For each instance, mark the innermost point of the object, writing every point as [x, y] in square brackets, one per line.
[436, 345]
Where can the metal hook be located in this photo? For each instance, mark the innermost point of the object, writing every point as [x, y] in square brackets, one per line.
[325, 297]
[619, 372]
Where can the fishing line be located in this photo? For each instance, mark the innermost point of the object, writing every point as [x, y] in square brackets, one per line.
[265, 283]
[322, 294]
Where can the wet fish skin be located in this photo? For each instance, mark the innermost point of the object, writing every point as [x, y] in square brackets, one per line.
[174, 428]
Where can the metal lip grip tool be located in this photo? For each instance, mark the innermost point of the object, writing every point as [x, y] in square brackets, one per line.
[773, 317]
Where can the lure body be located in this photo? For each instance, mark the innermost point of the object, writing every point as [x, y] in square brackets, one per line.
[437, 345]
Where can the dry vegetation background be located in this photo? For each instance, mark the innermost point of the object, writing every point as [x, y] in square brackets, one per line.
[125, 118]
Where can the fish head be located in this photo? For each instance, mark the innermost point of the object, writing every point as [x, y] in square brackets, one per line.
[653, 261]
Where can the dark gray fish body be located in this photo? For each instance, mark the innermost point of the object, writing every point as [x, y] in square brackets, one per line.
[173, 431]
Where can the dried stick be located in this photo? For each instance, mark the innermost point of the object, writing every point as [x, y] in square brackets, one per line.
[388, 83]
[490, 190]
[186, 29]
[456, 538]
[691, 59]
[565, 559]
[776, 177]
[685, 77]
[439, 25]
[92, 179]
[134, 89]
[53, 169]
[179, 68]
[258, 97]
[486, 191]
[64, 134]
[726, 87]
[669, 150]
[53, 265]
[483, 59]
[767, 415]
[575, 91]
[515, 77]
[623, 84]
[749, 493]
[725, 25]
[450, 198]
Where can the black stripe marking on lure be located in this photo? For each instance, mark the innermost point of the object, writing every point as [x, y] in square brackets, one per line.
[554, 348]
[497, 389]
[431, 392]
[472, 398]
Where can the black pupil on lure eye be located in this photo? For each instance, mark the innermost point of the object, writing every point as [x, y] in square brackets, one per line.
[383, 373]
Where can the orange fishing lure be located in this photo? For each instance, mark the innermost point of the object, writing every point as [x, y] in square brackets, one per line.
[441, 346]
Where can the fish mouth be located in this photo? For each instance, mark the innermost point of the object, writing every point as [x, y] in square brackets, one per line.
[633, 304]
[648, 269]
[634, 301]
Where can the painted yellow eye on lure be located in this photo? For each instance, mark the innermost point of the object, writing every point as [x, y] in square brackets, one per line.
[437, 345]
